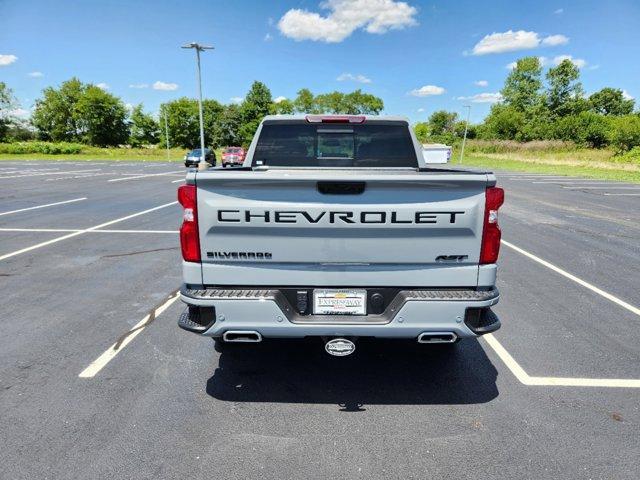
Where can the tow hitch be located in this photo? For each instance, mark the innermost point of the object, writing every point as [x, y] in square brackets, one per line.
[340, 347]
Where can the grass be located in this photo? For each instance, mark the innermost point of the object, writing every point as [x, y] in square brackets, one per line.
[115, 154]
[112, 154]
[557, 158]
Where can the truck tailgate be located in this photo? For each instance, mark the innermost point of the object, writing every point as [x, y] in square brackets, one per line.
[340, 228]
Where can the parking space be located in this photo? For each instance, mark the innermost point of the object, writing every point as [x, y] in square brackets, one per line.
[89, 269]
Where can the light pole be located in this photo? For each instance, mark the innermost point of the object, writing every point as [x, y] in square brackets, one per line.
[199, 48]
[466, 126]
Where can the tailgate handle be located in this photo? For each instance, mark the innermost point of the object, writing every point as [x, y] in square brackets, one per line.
[341, 188]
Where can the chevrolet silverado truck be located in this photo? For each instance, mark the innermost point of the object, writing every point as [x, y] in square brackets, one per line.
[334, 227]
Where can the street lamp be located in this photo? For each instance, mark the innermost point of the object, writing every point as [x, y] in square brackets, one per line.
[466, 126]
[199, 48]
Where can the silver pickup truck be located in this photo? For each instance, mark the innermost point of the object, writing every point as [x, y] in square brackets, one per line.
[335, 228]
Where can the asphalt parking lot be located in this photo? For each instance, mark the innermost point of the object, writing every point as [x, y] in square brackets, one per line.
[97, 381]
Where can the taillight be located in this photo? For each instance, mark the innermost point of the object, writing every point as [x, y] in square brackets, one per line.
[189, 241]
[494, 198]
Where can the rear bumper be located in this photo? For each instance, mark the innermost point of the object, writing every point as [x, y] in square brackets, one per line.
[213, 311]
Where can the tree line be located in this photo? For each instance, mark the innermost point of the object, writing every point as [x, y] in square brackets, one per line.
[553, 108]
[84, 113]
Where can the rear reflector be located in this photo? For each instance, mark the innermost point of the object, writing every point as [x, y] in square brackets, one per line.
[494, 198]
[335, 118]
[189, 241]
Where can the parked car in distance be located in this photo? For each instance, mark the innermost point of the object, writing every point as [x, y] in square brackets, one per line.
[233, 156]
[192, 158]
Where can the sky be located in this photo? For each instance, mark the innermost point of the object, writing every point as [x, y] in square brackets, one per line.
[418, 56]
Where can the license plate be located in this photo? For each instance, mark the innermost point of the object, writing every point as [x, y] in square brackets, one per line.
[340, 302]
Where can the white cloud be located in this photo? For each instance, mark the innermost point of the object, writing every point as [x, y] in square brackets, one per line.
[268, 37]
[7, 60]
[346, 16]
[355, 78]
[36, 74]
[421, 110]
[511, 41]
[129, 106]
[510, 66]
[555, 40]
[427, 90]
[578, 62]
[481, 83]
[279, 99]
[139, 85]
[19, 112]
[164, 86]
[487, 97]
[236, 99]
[626, 95]
[559, 11]
[103, 86]
[508, 41]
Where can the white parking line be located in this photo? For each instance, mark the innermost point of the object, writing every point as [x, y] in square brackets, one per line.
[145, 176]
[579, 182]
[603, 188]
[48, 173]
[59, 230]
[622, 194]
[526, 379]
[43, 206]
[571, 277]
[179, 180]
[100, 362]
[80, 232]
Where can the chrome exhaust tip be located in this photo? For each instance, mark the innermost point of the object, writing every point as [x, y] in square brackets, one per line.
[437, 337]
[241, 336]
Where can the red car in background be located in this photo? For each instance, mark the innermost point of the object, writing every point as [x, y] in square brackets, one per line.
[233, 156]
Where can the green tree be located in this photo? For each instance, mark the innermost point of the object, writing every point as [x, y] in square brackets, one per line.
[422, 131]
[522, 88]
[332, 102]
[144, 130]
[101, 118]
[458, 129]
[587, 129]
[7, 103]
[283, 107]
[183, 121]
[362, 103]
[503, 123]
[625, 132]
[565, 93]
[78, 112]
[611, 101]
[55, 116]
[442, 122]
[227, 130]
[305, 102]
[256, 105]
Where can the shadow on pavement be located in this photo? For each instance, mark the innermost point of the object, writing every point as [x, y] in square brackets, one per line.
[379, 372]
